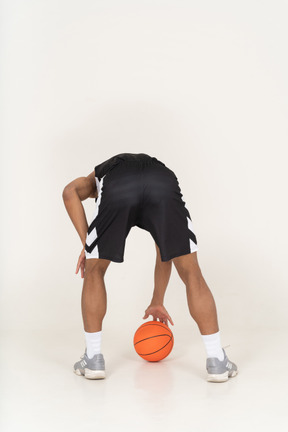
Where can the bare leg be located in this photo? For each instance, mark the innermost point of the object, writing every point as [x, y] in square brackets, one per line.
[94, 297]
[201, 303]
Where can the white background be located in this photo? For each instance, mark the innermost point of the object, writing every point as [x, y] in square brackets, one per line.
[202, 86]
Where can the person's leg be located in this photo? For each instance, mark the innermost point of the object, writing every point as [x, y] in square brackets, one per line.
[200, 299]
[94, 304]
[203, 309]
[94, 297]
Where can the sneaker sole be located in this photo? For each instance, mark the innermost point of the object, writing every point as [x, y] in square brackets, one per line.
[91, 374]
[221, 377]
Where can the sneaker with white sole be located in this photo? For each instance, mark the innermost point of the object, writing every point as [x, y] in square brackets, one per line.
[93, 368]
[220, 371]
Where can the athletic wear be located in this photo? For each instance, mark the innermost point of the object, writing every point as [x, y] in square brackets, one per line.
[102, 169]
[93, 343]
[91, 368]
[213, 345]
[138, 190]
[220, 371]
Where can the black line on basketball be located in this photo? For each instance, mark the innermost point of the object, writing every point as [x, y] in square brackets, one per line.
[152, 337]
[156, 324]
[157, 350]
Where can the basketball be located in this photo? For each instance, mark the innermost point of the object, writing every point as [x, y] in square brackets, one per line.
[153, 341]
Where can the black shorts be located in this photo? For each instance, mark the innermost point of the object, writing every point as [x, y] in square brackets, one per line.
[144, 194]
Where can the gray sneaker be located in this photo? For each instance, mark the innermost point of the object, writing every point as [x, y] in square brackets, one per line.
[220, 371]
[91, 368]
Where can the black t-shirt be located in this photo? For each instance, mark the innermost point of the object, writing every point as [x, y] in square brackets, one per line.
[104, 167]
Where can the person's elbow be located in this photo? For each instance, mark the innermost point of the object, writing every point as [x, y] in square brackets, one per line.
[68, 192]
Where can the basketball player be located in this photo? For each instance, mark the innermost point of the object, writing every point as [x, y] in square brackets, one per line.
[135, 189]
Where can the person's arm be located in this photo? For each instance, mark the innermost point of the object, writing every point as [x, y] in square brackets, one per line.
[161, 278]
[162, 274]
[76, 191]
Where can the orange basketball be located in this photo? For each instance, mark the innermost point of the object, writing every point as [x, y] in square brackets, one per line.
[153, 341]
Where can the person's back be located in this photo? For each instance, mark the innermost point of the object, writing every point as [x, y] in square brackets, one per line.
[104, 167]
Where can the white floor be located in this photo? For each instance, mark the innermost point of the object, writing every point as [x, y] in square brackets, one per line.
[40, 392]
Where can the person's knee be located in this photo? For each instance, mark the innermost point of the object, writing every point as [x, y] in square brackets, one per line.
[187, 267]
[96, 266]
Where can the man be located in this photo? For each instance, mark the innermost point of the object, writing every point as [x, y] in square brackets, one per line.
[137, 189]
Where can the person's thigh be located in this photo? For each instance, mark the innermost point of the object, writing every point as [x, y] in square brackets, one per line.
[165, 215]
[115, 213]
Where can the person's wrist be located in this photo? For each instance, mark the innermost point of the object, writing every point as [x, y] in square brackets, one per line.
[156, 301]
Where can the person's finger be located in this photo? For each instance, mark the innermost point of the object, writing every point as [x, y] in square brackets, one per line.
[77, 267]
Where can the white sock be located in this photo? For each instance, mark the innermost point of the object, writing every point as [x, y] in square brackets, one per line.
[93, 343]
[213, 345]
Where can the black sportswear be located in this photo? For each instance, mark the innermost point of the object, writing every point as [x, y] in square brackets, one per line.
[135, 189]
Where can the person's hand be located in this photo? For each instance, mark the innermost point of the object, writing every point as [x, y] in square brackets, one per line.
[158, 311]
[81, 262]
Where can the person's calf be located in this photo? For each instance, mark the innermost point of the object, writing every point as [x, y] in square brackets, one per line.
[94, 296]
